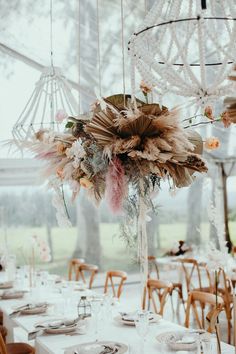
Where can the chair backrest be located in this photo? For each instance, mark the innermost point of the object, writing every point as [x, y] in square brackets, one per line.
[111, 274]
[203, 299]
[190, 268]
[224, 288]
[162, 290]
[3, 349]
[153, 267]
[73, 265]
[91, 269]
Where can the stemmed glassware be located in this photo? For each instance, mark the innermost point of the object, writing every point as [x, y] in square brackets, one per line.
[142, 326]
[96, 306]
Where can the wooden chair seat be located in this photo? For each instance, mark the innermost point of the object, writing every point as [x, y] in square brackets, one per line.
[15, 348]
[19, 348]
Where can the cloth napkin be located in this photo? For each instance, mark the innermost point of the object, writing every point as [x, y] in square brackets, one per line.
[53, 324]
[18, 310]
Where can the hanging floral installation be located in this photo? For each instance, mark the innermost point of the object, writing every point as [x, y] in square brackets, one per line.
[122, 153]
[122, 143]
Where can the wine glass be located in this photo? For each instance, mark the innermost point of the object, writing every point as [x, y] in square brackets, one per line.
[96, 309]
[142, 326]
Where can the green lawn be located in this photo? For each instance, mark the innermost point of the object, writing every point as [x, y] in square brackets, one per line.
[114, 251]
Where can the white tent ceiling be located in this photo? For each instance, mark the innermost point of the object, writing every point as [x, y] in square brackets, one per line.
[24, 37]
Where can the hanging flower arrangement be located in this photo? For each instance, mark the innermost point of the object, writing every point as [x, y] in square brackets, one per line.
[122, 143]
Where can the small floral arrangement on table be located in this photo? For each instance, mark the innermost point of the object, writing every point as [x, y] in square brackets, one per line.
[125, 141]
[35, 248]
[179, 248]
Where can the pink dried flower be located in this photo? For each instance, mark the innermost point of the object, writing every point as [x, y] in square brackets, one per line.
[209, 113]
[60, 116]
[226, 119]
[145, 88]
[212, 143]
[116, 185]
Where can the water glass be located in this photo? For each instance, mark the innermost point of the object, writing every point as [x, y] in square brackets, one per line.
[142, 326]
[96, 306]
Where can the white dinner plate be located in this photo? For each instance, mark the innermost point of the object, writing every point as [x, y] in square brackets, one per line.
[96, 348]
[154, 319]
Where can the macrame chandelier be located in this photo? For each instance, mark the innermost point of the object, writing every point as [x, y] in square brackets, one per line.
[187, 48]
[51, 96]
[50, 101]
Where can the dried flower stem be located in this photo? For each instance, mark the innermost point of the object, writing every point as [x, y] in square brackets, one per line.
[64, 201]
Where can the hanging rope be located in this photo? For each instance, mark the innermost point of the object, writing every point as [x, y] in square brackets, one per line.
[51, 35]
[79, 70]
[123, 46]
[99, 52]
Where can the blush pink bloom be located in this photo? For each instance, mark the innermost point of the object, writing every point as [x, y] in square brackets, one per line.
[116, 185]
[60, 116]
[212, 143]
[226, 119]
[208, 112]
[145, 88]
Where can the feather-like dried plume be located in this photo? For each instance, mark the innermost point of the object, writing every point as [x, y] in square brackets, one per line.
[148, 133]
[116, 185]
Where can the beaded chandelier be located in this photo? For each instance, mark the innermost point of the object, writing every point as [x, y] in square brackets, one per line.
[187, 48]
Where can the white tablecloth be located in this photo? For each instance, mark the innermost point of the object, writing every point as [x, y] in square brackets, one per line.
[109, 330]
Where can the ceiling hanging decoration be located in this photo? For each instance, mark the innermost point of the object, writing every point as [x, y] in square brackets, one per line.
[187, 48]
[49, 104]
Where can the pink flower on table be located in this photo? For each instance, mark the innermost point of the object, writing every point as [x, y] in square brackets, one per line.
[226, 119]
[60, 116]
[212, 143]
[208, 112]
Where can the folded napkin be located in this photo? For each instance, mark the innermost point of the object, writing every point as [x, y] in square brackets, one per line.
[11, 294]
[18, 310]
[6, 285]
[53, 324]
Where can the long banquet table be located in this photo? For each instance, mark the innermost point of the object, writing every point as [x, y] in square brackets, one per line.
[109, 328]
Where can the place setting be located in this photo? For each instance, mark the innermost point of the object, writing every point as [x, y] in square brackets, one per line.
[100, 347]
[12, 294]
[59, 326]
[30, 309]
[129, 319]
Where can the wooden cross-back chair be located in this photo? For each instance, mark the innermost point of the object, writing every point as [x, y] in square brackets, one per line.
[176, 286]
[15, 348]
[204, 299]
[162, 289]
[192, 268]
[73, 265]
[225, 290]
[85, 268]
[110, 278]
